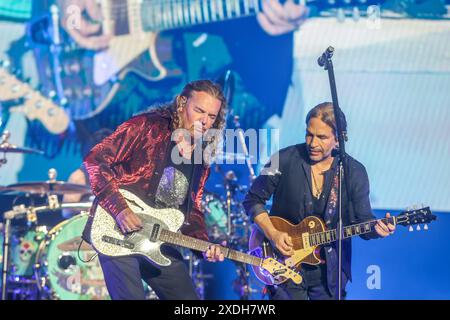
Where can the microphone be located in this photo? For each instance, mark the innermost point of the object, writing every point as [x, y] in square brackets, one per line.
[325, 56]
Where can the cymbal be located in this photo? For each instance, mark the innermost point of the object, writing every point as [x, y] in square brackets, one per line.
[9, 148]
[52, 187]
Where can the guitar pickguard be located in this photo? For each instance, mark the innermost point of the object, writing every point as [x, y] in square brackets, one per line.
[298, 257]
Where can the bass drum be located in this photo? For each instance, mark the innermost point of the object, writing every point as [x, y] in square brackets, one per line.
[60, 272]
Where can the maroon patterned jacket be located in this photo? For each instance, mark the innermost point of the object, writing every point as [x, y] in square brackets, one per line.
[133, 158]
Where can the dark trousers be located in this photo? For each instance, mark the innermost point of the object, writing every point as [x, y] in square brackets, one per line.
[291, 291]
[124, 275]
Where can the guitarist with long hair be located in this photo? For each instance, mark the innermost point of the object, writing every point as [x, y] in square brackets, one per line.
[142, 156]
[303, 181]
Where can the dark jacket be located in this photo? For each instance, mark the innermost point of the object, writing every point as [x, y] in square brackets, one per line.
[289, 183]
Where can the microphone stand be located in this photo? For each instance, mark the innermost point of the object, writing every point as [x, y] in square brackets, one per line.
[325, 61]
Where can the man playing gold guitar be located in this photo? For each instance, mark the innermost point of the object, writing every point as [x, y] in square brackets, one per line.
[303, 181]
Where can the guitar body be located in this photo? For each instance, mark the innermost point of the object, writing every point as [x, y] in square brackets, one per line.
[89, 80]
[303, 251]
[161, 226]
[107, 238]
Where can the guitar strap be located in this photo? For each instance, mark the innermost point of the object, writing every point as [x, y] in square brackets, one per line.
[330, 209]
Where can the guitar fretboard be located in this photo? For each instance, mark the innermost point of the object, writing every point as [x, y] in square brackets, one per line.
[163, 15]
[200, 245]
[329, 236]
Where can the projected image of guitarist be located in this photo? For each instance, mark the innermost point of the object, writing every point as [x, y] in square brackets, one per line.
[135, 53]
[304, 188]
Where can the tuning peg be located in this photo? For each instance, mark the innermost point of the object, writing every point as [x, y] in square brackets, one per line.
[425, 227]
[418, 227]
[410, 229]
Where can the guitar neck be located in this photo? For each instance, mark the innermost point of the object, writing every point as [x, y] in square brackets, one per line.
[200, 245]
[171, 14]
[137, 16]
[329, 236]
[160, 15]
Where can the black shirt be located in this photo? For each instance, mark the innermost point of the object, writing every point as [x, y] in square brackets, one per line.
[315, 275]
[176, 180]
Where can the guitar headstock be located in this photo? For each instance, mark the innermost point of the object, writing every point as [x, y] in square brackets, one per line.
[34, 104]
[10, 87]
[280, 272]
[416, 217]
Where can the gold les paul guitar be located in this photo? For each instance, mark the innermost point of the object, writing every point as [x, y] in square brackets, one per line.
[311, 233]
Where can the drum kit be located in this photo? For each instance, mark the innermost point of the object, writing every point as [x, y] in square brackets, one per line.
[42, 255]
[42, 260]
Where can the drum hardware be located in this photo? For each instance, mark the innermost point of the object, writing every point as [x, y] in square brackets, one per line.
[51, 187]
[18, 256]
[195, 271]
[7, 147]
[17, 212]
[48, 187]
[5, 260]
[226, 220]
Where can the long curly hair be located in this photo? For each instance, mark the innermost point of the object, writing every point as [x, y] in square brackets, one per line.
[175, 107]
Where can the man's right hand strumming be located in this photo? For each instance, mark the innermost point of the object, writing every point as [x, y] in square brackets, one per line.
[128, 221]
[281, 240]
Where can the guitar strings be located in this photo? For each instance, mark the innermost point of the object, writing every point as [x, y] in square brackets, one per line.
[177, 4]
